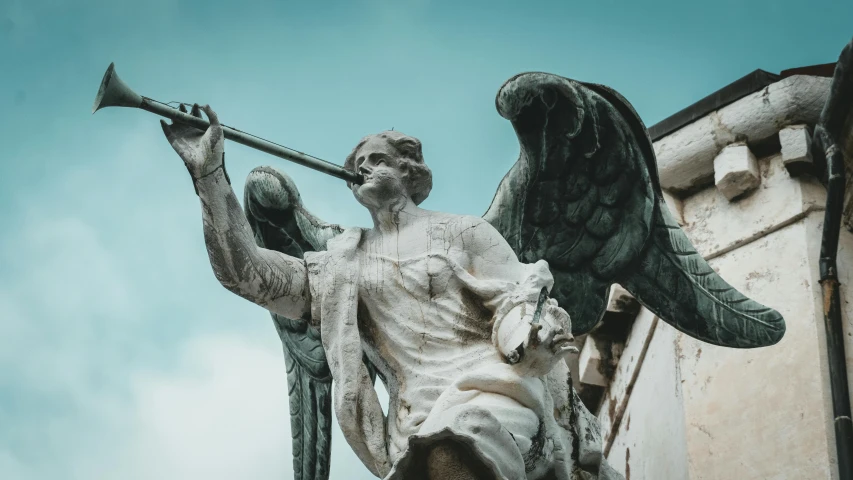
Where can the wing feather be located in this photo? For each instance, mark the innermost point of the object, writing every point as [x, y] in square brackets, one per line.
[572, 161]
[584, 195]
[675, 282]
[280, 222]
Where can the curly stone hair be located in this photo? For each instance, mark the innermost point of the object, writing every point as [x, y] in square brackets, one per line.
[418, 177]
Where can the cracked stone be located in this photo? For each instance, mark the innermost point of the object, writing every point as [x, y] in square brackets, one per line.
[736, 171]
[795, 141]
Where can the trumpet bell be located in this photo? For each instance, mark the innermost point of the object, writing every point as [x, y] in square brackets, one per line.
[114, 92]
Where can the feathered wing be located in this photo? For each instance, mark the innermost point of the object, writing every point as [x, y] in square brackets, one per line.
[280, 222]
[676, 283]
[585, 196]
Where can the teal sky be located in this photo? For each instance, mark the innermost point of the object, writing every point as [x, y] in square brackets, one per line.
[120, 354]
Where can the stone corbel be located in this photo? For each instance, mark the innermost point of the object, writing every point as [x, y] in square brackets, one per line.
[592, 362]
[685, 157]
[796, 143]
[601, 351]
[736, 171]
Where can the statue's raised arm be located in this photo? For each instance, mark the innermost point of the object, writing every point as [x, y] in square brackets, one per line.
[258, 255]
[273, 280]
[281, 222]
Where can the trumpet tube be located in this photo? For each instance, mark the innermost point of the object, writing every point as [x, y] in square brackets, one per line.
[113, 92]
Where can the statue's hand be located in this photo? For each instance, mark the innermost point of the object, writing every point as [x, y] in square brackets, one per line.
[202, 152]
[546, 343]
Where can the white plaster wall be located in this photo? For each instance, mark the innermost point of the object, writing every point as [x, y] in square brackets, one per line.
[685, 157]
[845, 275]
[742, 229]
[697, 411]
[715, 225]
[651, 441]
[761, 413]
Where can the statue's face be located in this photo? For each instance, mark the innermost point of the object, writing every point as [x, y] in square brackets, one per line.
[383, 169]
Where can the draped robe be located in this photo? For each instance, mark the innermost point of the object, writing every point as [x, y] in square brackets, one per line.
[428, 325]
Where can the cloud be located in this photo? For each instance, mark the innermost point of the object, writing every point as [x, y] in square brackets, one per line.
[221, 414]
[90, 387]
[120, 355]
[116, 343]
[105, 371]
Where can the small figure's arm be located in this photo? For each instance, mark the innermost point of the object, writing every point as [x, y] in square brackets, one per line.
[268, 278]
[532, 332]
[534, 340]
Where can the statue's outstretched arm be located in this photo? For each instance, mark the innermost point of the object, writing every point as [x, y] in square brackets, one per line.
[271, 279]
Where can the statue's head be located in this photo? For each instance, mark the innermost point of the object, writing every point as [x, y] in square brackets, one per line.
[392, 165]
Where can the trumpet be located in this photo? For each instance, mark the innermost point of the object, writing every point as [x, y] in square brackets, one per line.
[113, 92]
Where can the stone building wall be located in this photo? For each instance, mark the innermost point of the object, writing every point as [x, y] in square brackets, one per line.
[677, 408]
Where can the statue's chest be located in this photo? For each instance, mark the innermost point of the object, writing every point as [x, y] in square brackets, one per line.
[415, 266]
[403, 280]
[413, 299]
[430, 236]
[416, 308]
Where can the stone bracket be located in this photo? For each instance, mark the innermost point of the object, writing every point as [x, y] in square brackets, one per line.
[736, 171]
[796, 155]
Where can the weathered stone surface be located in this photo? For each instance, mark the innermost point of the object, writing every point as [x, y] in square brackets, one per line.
[795, 141]
[716, 226]
[764, 413]
[590, 363]
[641, 386]
[650, 441]
[621, 301]
[686, 157]
[724, 428]
[627, 370]
[736, 171]
[685, 409]
[676, 206]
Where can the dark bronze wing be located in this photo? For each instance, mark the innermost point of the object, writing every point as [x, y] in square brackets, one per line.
[280, 222]
[584, 195]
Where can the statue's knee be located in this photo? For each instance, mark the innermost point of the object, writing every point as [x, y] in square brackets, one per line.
[474, 421]
[447, 461]
[441, 455]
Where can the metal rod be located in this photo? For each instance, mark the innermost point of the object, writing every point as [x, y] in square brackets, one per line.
[156, 107]
[113, 92]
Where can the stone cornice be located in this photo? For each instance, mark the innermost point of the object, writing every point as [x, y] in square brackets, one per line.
[686, 156]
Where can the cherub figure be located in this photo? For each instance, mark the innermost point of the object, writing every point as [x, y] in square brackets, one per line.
[464, 318]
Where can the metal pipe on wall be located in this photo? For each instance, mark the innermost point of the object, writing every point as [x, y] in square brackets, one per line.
[828, 148]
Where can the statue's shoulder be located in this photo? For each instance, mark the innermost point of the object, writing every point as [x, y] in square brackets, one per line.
[347, 240]
[466, 228]
[343, 245]
[455, 220]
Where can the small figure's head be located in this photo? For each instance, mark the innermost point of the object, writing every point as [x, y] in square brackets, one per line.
[393, 167]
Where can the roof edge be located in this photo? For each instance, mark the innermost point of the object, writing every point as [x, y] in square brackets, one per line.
[685, 156]
[749, 83]
[732, 92]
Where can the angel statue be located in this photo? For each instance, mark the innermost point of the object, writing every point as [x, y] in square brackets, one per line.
[466, 320]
